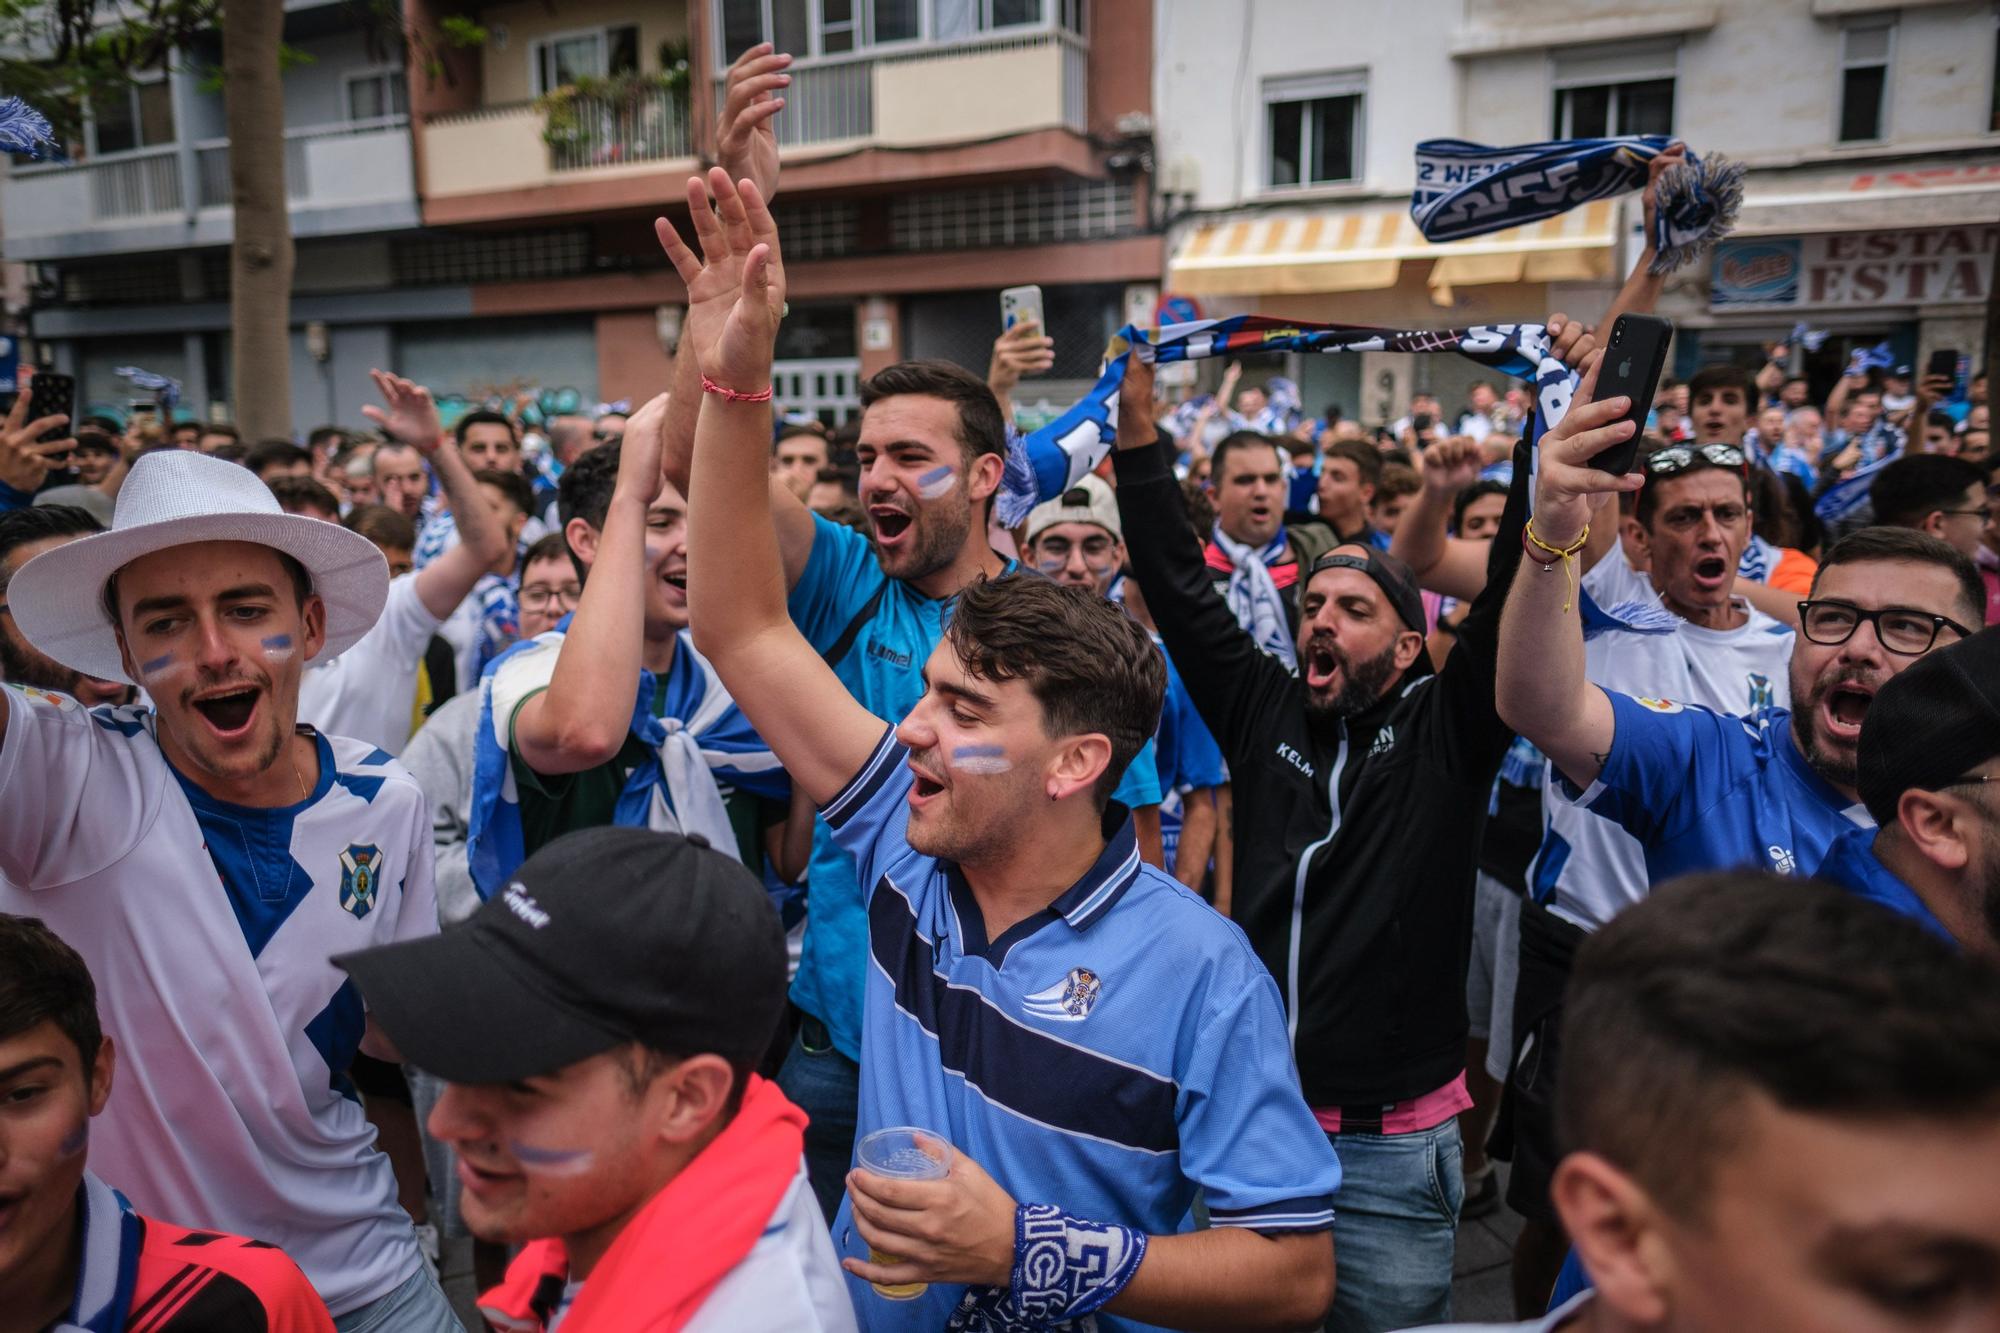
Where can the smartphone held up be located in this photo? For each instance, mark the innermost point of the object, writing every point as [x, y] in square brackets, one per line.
[1634, 355]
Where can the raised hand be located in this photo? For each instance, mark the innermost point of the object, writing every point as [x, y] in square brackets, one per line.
[1570, 341]
[25, 458]
[639, 451]
[1135, 405]
[1021, 350]
[410, 418]
[1452, 464]
[1650, 197]
[746, 140]
[736, 288]
[1567, 488]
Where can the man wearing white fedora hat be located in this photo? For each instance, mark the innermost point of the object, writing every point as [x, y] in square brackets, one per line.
[208, 856]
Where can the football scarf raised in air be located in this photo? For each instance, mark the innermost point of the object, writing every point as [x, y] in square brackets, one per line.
[1057, 456]
[1469, 189]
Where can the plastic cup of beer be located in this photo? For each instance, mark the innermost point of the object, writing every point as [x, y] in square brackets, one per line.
[903, 1153]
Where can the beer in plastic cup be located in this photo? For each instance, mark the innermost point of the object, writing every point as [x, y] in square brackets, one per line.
[903, 1153]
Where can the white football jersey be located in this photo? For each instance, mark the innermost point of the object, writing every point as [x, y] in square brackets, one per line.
[369, 692]
[209, 929]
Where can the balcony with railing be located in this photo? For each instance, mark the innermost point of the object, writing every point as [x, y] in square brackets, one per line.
[574, 138]
[937, 94]
[348, 177]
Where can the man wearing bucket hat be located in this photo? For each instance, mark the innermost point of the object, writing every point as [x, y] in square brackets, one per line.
[249, 851]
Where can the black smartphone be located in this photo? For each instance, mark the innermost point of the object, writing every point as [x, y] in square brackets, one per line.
[1944, 361]
[1634, 356]
[49, 394]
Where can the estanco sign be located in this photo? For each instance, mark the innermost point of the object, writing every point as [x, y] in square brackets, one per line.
[1936, 266]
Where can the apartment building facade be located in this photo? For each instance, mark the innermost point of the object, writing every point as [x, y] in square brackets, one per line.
[481, 218]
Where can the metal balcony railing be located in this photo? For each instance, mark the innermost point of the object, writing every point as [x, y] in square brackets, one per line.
[211, 158]
[613, 131]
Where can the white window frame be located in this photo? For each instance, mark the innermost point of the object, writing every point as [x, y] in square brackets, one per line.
[602, 32]
[1611, 67]
[1305, 88]
[1887, 63]
[865, 45]
[131, 94]
[385, 73]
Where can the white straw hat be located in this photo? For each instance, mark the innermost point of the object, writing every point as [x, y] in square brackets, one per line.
[174, 497]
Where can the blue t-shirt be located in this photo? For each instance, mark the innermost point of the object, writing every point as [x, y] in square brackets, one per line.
[1852, 864]
[1706, 791]
[883, 670]
[1119, 1053]
[1186, 756]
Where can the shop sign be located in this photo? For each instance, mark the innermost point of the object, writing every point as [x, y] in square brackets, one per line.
[1936, 266]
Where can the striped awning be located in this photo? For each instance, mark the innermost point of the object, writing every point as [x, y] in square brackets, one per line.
[1360, 248]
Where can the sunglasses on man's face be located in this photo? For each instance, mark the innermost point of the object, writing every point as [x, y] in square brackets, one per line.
[1681, 457]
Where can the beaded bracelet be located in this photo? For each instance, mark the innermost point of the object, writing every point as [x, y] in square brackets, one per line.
[734, 395]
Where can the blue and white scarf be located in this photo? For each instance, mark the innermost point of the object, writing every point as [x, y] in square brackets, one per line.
[1844, 499]
[1253, 595]
[499, 618]
[699, 741]
[108, 1264]
[1759, 559]
[166, 390]
[27, 131]
[1469, 189]
[1056, 457]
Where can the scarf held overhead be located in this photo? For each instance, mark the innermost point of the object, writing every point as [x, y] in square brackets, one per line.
[1057, 456]
[1469, 189]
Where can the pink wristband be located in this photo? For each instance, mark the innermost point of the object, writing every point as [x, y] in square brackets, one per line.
[735, 396]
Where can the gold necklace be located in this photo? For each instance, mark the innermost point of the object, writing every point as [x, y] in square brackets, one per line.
[296, 776]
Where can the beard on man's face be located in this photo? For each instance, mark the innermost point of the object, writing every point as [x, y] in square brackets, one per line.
[21, 665]
[1361, 683]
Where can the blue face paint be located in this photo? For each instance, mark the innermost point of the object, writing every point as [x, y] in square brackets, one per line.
[980, 759]
[551, 1161]
[937, 483]
[278, 645]
[77, 1140]
[157, 665]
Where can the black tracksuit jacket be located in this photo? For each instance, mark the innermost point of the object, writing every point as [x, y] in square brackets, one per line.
[1356, 841]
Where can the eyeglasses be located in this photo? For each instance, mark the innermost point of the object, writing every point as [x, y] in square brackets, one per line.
[1984, 513]
[1905, 633]
[538, 596]
[1970, 780]
[1681, 457]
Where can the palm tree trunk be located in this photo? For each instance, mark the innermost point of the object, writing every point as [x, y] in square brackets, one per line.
[260, 259]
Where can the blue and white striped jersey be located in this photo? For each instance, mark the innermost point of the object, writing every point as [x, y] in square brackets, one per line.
[1119, 1053]
[209, 929]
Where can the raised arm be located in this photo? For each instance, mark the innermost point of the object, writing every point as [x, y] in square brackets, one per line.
[1641, 292]
[410, 417]
[1540, 685]
[582, 718]
[747, 147]
[1423, 542]
[1021, 350]
[736, 582]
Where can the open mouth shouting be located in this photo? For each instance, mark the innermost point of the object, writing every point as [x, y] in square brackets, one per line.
[1712, 573]
[891, 523]
[925, 789]
[229, 710]
[1843, 706]
[1323, 664]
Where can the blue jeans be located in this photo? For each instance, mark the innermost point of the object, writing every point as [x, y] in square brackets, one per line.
[1395, 1225]
[826, 1085]
[418, 1306]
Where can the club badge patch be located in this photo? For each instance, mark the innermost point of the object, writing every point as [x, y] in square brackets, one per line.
[1069, 1000]
[360, 865]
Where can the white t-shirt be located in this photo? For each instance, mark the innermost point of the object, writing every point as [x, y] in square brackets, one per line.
[209, 930]
[369, 692]
[790, 1282]
[1595, 867]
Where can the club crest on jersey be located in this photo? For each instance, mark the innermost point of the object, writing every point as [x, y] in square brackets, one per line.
[1069, 1000]
[1658, 705]
[360, 865]
[1761, 694]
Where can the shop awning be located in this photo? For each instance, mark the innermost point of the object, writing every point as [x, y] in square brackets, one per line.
[1359, 248]
[1862, 198]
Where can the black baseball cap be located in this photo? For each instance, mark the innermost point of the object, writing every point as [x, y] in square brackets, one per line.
[1391, 575]
[1932, 724]
[604, 937]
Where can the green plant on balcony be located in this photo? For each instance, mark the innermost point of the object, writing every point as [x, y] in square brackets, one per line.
[624, 117]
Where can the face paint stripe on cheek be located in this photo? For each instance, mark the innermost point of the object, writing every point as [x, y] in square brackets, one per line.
[76, 1141]
[936, 483]
[278, 645]
[980, 759]
[551, 1161]
[157, 665]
